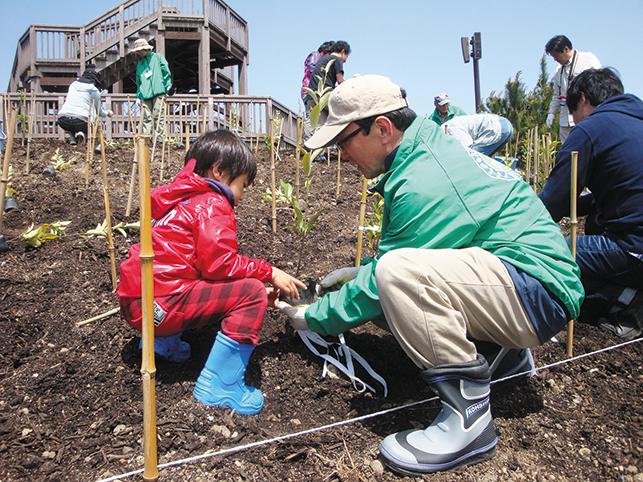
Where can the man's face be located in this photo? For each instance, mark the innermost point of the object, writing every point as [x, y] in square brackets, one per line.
[583, 109]
[562, 57]
[142, 53]
[442, 109]
[364, 151]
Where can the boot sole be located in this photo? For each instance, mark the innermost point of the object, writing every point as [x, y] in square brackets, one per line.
[452, 466]
[228, 402]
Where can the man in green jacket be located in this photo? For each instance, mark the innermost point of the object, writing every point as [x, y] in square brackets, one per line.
[467, 252]
[153, 81]
[444, 111]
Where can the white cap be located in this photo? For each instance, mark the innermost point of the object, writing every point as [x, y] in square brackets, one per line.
[441, 99]
[357, 98]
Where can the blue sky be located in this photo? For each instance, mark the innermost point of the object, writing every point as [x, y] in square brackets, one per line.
[414, 42]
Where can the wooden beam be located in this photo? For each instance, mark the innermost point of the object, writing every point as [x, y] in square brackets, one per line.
[170, 35]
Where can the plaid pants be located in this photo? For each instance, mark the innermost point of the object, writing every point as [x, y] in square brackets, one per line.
[238, 304]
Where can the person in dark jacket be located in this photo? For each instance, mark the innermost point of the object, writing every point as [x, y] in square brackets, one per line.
[609, 140]
[200, 279]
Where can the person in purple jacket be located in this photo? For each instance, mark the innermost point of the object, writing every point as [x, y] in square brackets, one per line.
[609, 139]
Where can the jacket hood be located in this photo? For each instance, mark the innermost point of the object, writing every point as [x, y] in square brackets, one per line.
[627, 104]
[185, 185]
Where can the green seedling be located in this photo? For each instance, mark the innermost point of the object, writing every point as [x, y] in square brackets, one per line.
[45, 232]
[373, 224]
[100, 230]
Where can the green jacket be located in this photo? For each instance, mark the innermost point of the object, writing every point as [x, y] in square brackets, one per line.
[454, 110]
[153, 77]
[439, 195]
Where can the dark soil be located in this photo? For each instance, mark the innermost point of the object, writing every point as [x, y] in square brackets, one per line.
[71, 398]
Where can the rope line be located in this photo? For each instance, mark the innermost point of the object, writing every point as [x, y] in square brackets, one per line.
[259, 443]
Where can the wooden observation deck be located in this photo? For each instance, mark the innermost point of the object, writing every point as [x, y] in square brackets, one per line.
[204, 41]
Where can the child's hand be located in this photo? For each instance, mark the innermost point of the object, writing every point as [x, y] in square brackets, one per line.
[287, 284]
[273, 296]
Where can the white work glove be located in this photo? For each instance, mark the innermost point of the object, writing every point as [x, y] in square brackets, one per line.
[297, 314]
[339, 276]
[549, 121]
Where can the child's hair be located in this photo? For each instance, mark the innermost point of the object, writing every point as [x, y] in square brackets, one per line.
[224, 149]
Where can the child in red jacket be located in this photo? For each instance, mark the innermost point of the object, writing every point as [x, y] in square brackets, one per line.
[199, 276]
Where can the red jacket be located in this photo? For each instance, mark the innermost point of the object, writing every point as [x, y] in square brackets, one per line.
[194, 236]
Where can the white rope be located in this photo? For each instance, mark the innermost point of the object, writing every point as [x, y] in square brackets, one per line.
[342, 350]
[259, 443]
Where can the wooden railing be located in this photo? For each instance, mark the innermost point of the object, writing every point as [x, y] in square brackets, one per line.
[249, 116]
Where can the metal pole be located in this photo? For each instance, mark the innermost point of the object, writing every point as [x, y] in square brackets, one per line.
[476, 83]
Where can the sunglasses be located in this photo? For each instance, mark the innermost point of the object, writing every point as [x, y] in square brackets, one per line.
[341, 144]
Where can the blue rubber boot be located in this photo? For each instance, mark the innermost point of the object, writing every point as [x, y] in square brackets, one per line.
[221, 382]
[171, 348]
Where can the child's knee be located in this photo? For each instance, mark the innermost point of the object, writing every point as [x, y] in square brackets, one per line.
[256, 291]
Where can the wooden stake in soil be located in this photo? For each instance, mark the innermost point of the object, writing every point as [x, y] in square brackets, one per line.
[148, 368]
[339, 172]
[536, 159]
[165, 132]
[8, 151]
[32, 113]
[360, 227]
[273, 177]
[88, 144]
[108, 209]
[298, 148]
[573, 227]
[132, 181]
[155, 129]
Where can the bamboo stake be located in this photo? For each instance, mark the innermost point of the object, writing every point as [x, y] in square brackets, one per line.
[300, 138]
[187, 138]
[339, 172]
[32, 113]
[132, 181]
[164, 143]
[108, 209]
[102, 316]
[155, 129]
[574, 226]
[8, 151]
[148, 368]
[528, 168]
[517, 144]
[88, 144]
[273, 177]
[536, 158]
[360, 222]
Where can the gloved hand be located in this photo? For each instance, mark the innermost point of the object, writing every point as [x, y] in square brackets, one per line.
[549, 121]
[297, 314]
[339, 276]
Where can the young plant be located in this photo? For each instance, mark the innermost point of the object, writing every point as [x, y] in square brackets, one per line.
[100, 231]
[302, 225]
[36, 236]
[373, 224]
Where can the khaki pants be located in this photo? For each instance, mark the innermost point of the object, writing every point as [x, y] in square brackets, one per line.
[434, 299]
[154, 118]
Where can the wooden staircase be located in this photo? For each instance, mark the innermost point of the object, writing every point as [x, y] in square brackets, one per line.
[201, 39]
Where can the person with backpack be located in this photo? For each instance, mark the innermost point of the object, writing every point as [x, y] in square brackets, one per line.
[311, 62]
[329, 70]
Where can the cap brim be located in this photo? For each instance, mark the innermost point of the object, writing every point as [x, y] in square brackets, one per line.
[324, 135]
[141, 48]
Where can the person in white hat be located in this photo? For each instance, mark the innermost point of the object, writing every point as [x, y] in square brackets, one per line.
[444, 110]
[467, 252]
[153, 81]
